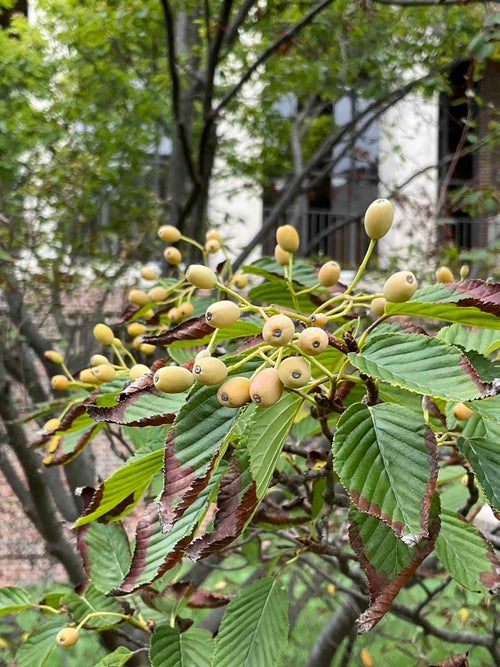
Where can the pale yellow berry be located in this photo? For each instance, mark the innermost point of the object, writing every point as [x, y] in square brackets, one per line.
[444, 275]
[329, 274]
[104, 334]
[53, 356]
[266, 387]
[173, 379]
[136, 329]
[400, 287]
[212, 246]
[201, 276]
[88, 376]
[138, 297]
[377, 306]
[313, 340]
[186, 309]
[172, 255]
[104, 372]
[378, 218]
[52, 424]
[318, 319]
[278, 330]
[67, 637]
[148, 273]
[137, 371]
[462, 411]
[234, 392]
[222, 314]
[214, 235]
[209, 370]
[59, 382]
[287, 238]
[294, 372]
[169, 233]
[146, 348]
[157, 294]
[240, 281]
[281, 256]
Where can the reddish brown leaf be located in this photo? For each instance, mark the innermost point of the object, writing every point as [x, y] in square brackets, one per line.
[199, 598]
[115, 414]
[459, 660]
[482, 295]
[386, 591]
[236, 502]
[45, 435]
[193, 329]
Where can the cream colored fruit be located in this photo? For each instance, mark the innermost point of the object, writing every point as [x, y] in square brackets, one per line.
[169, 233]
[172, 255]
[209, 370]
[186, 309]
[234, 392]
[222, 313]
[157, 294]
[104, 372]
[400, 287]
[278, 330]
[294, 372]
[240, 281]
[288, 238]
[462, 411]
[329, 274]
[313, 340]
[318, 319]
[53, 356]
[59, 382]
[266, 387]
[201, 276]
[378, 218]
[444, 275]
[377, 306]
[67, 637]
[281, 256]
[138, 297]
[136, 329]
[173, 379]
[137, 371]
[212, 246]
[214, 235]
[148, 273]
[104, 334]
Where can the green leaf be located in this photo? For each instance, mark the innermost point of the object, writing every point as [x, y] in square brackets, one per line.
[120, 493]
[465, 554]
[484, 458]
[108, 555]
[240, 329]
[467, 302]
[268, 268]
[385, 457]
[40, 644]
[13, 599]
[421, 364]
[172, 648]
[254, 627]
[117, 658]
[264, 434]
[489, 408]
[278, 292]
[481, 340]
[93, 601]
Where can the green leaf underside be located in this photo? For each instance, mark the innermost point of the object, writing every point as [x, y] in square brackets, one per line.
[172, 648]
[466, 555]
[157, 551]
[388, 564]
[269, 268]
[481, 340]
[120, 493]
[13, 599]
[71, 443]
[254, 627]
[240, 329]
[452, 303]
[108, 555]
[484, 458]
[40, 644]
[117, 658]
[489, 408]
[385, 457]
[90, 602]
[264, 434]
[421, 364]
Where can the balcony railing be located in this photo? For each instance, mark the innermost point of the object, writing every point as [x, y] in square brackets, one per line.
[339, 237]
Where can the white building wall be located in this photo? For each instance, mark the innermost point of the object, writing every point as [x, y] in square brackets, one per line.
[408, 157]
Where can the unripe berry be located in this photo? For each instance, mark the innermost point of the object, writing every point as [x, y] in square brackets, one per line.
[59, 382]
[400, 287]
[464, 271]
[169, 233]
[53, 356]
[104, 334]
[462, 411]
[157, 293]
[312, 340]
[88, 376]
[135, 329]
[240, 281]
[378, 218]
[377, 306]
[222, 314]
[138, 297]
[444, 275]
[146, 348]
[287, 238]
[52, 424]
[212, 246]
[173, 379]
[174, 315]
[201, 276]
[97, 359]
[318, 319]
[235, 392]
[185, 309]
[209, 370]
[281, 256]
[136, 342]
[278, 330]
[266, 387]
[137, 371]
[117, 343]
[294, 372]
[203, 354]
[172, 255]
[214, 235]
[329, 274]
[104, 372]
[148, 273]
[67, 637]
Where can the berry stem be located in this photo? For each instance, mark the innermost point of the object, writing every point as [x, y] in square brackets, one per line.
[130, 619]
[362, 267]
[289, 278]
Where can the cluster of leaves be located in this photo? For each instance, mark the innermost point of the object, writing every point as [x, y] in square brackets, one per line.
[374, 434]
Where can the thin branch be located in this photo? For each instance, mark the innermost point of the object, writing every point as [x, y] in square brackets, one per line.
[285, 37]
